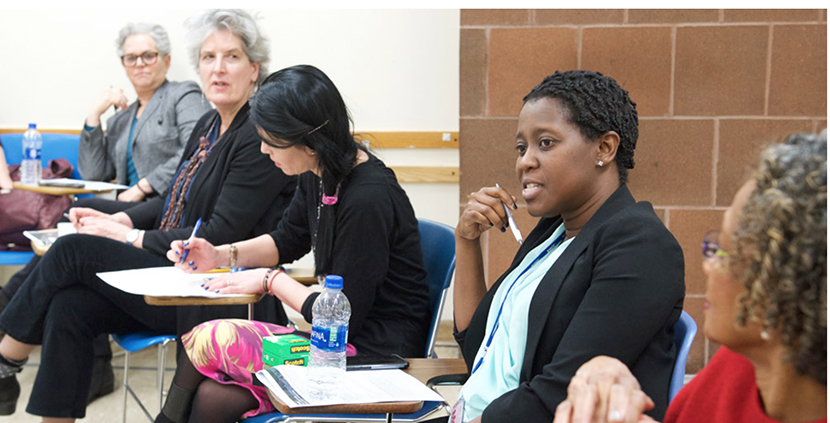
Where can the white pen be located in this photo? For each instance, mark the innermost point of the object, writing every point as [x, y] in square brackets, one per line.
[511, 221]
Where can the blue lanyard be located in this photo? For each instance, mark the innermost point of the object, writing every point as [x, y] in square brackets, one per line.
[550, 248]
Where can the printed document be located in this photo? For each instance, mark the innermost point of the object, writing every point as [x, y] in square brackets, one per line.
[288, 383]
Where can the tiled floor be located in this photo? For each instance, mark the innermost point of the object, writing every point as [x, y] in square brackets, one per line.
[142, 378]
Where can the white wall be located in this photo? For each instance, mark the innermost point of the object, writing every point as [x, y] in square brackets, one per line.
[397, 70]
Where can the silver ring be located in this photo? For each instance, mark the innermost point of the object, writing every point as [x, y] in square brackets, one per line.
[228, 282]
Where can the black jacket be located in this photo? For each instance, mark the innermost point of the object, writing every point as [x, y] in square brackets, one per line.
[617, 290]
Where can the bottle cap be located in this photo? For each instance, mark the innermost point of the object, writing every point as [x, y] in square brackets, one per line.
[334, 282]
[32, 126]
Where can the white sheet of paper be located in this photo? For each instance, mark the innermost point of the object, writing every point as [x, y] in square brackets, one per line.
[90, 185]
[162, 282]
[362, 387]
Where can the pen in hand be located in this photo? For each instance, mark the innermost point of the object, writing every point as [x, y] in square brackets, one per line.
[511, 221]
[192, 235]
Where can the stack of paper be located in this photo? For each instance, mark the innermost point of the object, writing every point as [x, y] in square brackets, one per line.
[288, 383]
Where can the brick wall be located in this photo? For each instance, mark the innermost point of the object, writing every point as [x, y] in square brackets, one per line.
[711, 86]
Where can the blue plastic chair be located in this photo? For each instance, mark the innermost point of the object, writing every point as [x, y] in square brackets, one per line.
[132, 342]
[438, 246]
[55, 146]
[684, 333]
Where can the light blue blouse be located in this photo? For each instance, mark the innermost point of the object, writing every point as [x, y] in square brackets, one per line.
[497, 368]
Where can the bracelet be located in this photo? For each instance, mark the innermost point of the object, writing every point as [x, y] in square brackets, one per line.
[232, 256]
[138, 184]
[273, 278]
[265, 279]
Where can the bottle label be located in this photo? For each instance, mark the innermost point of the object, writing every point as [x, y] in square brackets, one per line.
[329, 339]
[32, 153]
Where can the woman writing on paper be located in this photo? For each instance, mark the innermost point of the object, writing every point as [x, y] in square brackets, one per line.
[349, 210]
[222, 179]
[599, 272]
[766, 305]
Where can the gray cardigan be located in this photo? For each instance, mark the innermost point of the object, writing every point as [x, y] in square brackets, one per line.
[159, 137]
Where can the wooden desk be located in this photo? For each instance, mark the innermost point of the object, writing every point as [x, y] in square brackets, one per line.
[422, 369]
[55, 190]
[425, 369]
[249, 299]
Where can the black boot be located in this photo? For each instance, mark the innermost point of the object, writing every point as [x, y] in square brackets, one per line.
[177, 406]
[9, 388]
[103, 379]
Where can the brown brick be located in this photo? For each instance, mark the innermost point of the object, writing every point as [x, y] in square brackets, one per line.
[820, 125]
[720, 70]
[697, 355]
[662, 213]
[487, 153]
[520, 58]
[739, 147]
[673, 162]
[798, 80]
[471, 17]
[689, 226]
[645, 71]
[473, 72]
[578, 17]
[771, 15]
[672, 15]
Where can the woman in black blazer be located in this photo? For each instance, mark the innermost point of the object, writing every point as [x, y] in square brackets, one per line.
[600, 272]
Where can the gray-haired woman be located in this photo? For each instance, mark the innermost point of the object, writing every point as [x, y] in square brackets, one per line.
[144, 140]
[223, 180]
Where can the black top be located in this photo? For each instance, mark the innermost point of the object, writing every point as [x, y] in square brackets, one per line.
[617, 290]
[377, 251]
[238, 192]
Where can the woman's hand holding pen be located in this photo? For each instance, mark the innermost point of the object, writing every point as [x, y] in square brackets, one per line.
[244, 282]
[484, 210]
[203, 256]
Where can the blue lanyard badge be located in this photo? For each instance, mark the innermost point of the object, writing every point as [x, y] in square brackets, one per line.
[541, 256]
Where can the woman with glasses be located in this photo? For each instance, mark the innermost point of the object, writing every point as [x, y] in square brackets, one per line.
[766, 305]
[222, 180]
[599, 272]
[143, 142]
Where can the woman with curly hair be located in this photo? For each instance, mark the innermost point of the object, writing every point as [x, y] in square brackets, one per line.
[599, 274]
[766, 303]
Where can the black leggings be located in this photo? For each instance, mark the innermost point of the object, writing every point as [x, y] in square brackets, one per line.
[214, 402]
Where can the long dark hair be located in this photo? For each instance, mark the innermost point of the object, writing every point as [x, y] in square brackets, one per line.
[301, 106]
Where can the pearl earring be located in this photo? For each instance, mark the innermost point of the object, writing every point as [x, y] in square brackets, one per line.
[600, 163]
[765, 335]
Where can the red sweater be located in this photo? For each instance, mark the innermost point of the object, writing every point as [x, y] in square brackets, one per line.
[723, 392]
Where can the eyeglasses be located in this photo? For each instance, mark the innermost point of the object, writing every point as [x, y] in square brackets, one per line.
[711, 247]
[148, 57]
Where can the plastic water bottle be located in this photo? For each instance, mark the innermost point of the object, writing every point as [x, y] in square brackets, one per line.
[329, 334]
[30, 164]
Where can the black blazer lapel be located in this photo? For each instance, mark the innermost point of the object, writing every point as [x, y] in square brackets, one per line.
[543, 298]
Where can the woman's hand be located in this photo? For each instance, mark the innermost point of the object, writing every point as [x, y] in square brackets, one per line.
[109, 97]
[604, 391]
[483, 211]
[203, 256]
[103, 227]
[133, 194]
[244, 282]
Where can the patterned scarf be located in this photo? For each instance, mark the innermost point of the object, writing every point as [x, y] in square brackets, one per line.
[176, 200]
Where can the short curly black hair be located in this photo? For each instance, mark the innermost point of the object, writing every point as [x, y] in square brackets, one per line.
[596, 104]
[781, 245]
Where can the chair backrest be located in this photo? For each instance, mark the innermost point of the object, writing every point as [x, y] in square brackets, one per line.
[55, 146]
[438, 246]
[684, 333]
